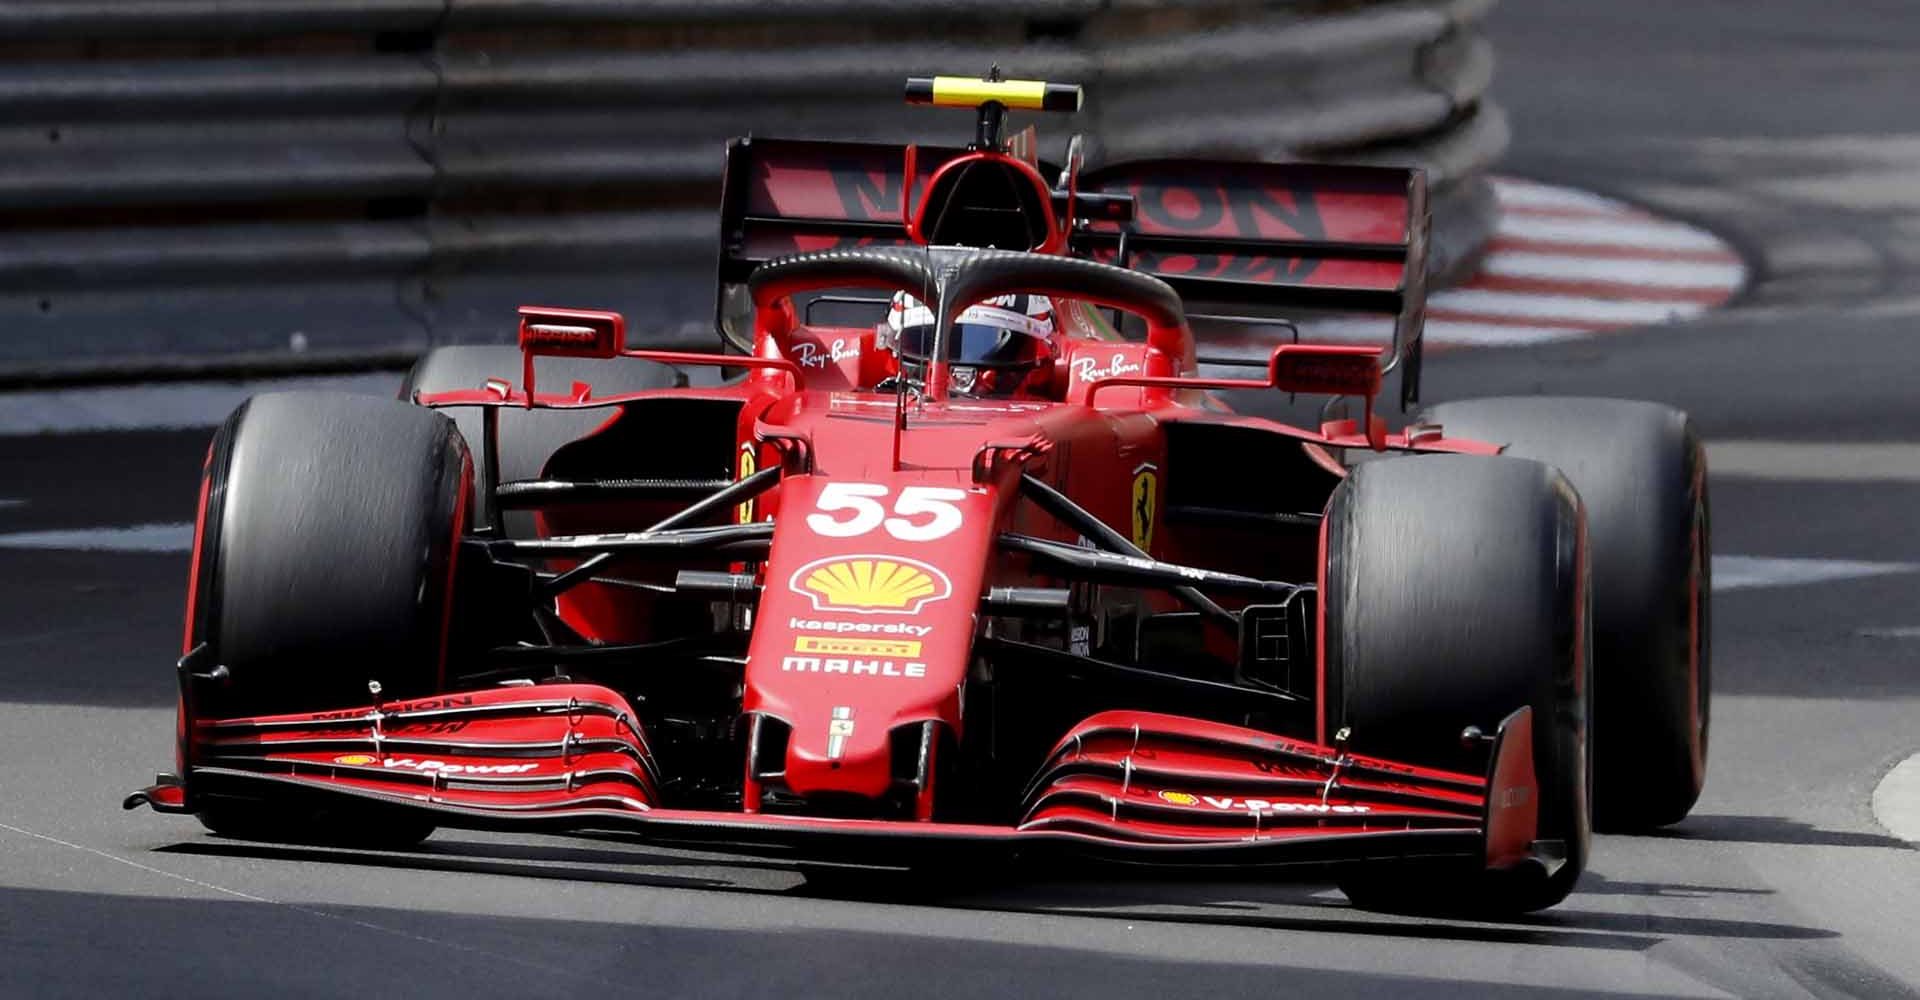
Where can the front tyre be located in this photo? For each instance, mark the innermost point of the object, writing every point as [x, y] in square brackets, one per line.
[324, 560]
[1455, 593]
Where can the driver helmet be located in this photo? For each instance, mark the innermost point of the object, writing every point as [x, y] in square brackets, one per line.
[996, 346]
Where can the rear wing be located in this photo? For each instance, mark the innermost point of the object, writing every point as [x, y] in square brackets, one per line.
[1272, 236]
[1280, 236]
[784, 196]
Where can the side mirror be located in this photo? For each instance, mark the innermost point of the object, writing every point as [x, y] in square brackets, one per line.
[1333, 370]
[572, 333]
[567, 333]
[1326, 370]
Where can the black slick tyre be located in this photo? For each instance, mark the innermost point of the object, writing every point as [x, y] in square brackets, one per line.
[1455, 594]
[325, 553]
[1641, 473]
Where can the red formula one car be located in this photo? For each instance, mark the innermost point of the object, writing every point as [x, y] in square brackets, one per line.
[976, 572]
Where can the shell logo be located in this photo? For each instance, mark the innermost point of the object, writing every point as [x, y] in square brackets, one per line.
[883, 585]
[1180, 798]
[358, 759]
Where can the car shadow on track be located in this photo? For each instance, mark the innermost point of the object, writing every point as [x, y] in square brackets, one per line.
[90, 944]
[1595, 884]
[544, 863]
[1207, 899]
[1771, 830]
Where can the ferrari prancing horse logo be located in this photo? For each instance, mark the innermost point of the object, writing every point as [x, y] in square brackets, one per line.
[1146, 500]
[743, 513]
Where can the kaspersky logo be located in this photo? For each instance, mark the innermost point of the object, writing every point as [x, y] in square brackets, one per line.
[870, 585]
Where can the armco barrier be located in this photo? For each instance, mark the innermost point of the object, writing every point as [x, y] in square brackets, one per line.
[194, 186]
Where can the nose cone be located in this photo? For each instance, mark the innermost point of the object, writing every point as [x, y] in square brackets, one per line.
[866, 622]
[849, 760]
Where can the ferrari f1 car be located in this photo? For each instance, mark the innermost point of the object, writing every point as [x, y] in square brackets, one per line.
[877, 589]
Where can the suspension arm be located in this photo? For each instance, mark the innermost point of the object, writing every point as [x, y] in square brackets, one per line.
[1100, 533]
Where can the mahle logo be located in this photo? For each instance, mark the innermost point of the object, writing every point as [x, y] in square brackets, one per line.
[887, 585]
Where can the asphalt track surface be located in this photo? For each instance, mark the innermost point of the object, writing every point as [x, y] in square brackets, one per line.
[1785, 126]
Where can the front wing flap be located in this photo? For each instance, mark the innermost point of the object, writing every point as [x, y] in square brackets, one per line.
[1130, 786]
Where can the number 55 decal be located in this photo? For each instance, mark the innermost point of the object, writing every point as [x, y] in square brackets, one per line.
[934, 506]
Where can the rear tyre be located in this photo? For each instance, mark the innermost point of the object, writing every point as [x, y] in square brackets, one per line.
[1641, 473]
[1455, 593]
[325, 554]
[528, 438]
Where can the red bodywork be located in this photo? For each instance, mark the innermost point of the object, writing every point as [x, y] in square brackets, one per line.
[873, 626]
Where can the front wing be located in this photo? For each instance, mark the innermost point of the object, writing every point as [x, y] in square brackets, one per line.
[1128, 786]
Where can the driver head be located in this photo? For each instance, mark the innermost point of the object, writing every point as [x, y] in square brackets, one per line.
[996, 347]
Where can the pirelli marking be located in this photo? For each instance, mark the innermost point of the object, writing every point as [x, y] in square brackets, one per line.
[840, 646]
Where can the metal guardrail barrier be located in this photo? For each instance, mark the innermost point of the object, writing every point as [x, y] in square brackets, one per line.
[199, 185]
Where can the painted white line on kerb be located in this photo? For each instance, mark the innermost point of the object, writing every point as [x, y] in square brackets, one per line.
[1520, 305]
[1444, 329]
[1464, 332]
[1896, 802]
[1650, 235]
[1750, 572]
[1647, 273]
[1521, 195]
[176, 537]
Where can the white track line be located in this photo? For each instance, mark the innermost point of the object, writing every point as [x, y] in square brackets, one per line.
[1816, 461]
[1895, 632]
[1751, 572]
[1896, 801]
[158, 406]
[177, 537]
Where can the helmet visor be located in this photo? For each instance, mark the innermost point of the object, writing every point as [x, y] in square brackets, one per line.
[987, 335]
[969, 344]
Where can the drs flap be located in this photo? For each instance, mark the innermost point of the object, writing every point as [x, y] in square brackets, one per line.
[1281, 235]
[1318, 227]
[784, 196]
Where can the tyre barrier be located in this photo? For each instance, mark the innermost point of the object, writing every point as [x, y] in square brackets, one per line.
[198, 187]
